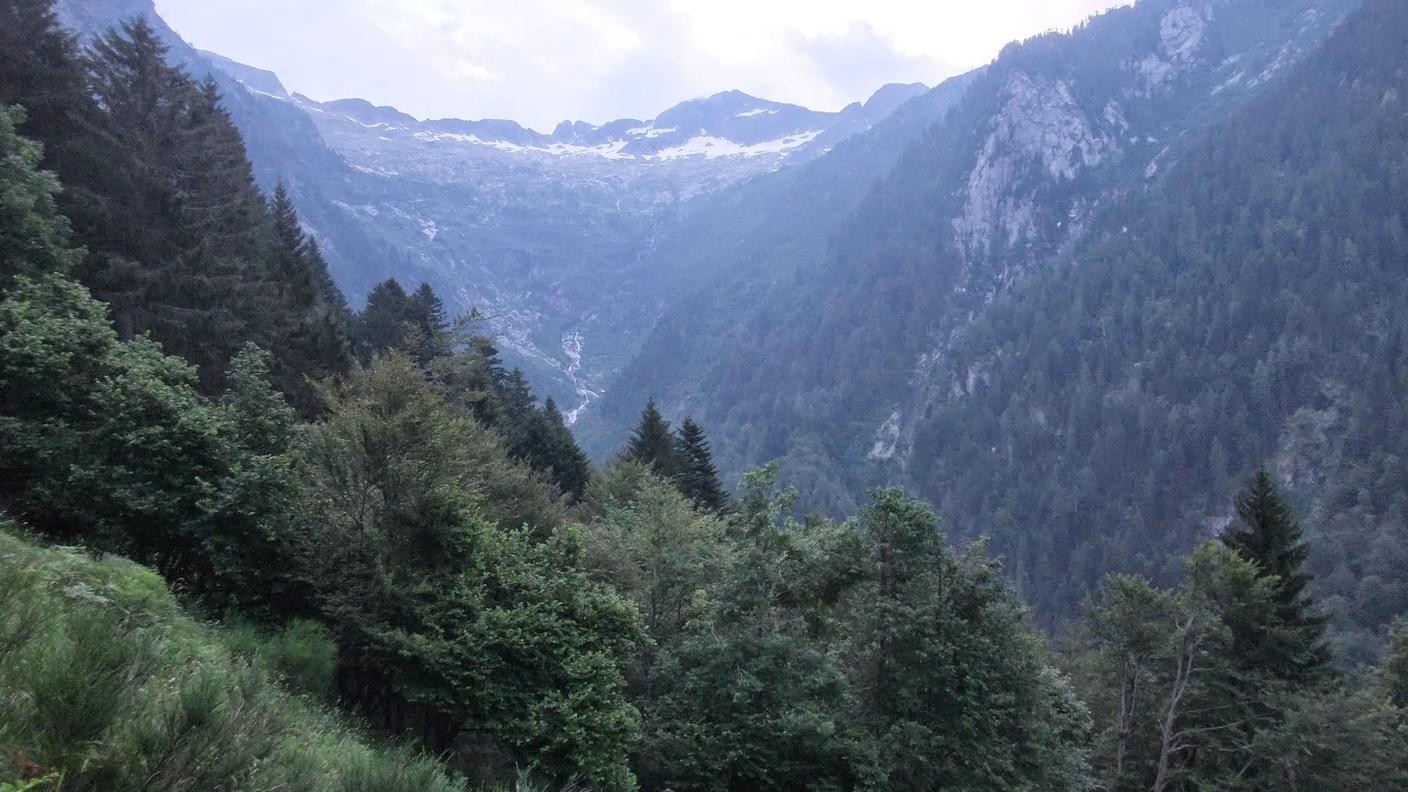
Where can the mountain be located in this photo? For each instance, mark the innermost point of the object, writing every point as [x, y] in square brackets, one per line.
[1011, 320]
[546, 234]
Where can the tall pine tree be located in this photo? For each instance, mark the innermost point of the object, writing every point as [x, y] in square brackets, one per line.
[42, 69]
[1291, 648]
[172, 219]
[558, 452]
[652, 444]
[430, 325]
[310, 338]
[382, 324]
[696, 476]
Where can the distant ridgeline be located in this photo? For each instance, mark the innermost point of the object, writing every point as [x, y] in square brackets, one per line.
[251, 538]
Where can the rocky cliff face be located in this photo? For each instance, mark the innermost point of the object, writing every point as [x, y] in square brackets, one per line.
[1067, 140]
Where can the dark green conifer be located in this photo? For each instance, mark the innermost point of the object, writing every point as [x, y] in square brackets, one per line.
[559, 453]
[309, 333]
[1291, 649]
[652, 443]
[382, 324]
[697, 478]
[430, 325]
[42, 69]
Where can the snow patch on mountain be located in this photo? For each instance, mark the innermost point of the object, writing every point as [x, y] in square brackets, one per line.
[712, 147]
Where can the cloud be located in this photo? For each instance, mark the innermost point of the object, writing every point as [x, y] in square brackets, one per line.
[542, 61]
[861, 60]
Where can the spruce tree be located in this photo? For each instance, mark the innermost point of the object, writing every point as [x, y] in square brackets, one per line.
[173, 219]
[42, 68]
[382, 324]
[697, 478]
[310, 333]
[1290, 648]
[430, 324]
[290, 255]
[559, 452]
[652, 443]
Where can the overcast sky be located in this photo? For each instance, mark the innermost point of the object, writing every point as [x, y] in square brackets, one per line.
[541, 61]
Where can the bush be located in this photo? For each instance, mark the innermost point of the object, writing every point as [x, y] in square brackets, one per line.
[302, 653]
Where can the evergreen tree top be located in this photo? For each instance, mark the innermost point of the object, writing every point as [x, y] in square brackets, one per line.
[1290, 648]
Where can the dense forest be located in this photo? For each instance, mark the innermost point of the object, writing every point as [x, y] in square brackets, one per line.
[254, 539]
[1090, 400]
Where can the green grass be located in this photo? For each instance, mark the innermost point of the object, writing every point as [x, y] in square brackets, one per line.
[107, 684]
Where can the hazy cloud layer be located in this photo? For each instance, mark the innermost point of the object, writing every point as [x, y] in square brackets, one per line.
[542, 61]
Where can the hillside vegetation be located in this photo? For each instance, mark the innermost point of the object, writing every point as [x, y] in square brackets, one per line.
[253, 539]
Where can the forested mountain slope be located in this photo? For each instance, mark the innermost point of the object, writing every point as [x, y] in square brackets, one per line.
[849, 365]
[1248, 308]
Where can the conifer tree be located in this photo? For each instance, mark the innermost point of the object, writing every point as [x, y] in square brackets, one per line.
[42, 69]
[652, 444]
[430, 324]
[173, 219]
[289, 260]
[333, 297]
[382, 323]
[559, 453]
[697, 477]
[310, 333]
[1290, 649]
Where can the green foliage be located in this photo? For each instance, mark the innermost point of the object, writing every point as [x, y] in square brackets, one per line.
[114, 687]
[162, 195]
[1393, 674]
[384, 322]
[179, 256]
[111, 442]
[42, 69]
[1334, 739]
[1289, 648]
[652, 545]
[1179, 705]
[652, 444]
[696, 476]
[34, 237]
[750, 697]
[311, 339]
[456, 599]
[956, 689]
[301, 652]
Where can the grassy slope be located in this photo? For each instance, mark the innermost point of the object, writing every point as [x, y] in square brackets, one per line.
[108, 683]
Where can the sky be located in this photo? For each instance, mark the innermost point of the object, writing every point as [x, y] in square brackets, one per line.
[539, 62]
